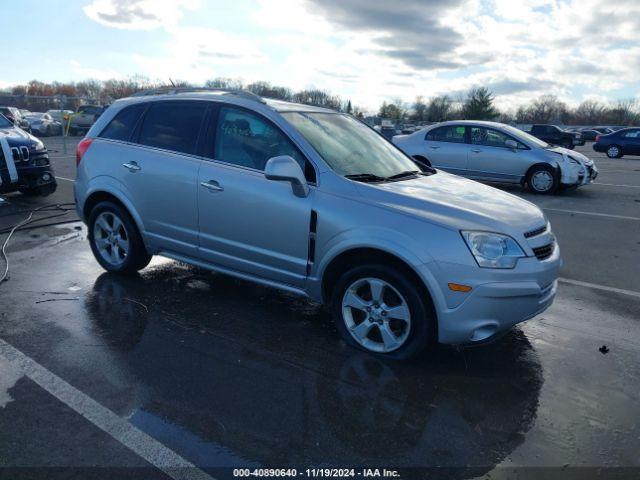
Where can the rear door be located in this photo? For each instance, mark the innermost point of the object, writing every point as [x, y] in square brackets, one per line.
[446, 148]
[491, 160]
[631, 142]
[159, 171]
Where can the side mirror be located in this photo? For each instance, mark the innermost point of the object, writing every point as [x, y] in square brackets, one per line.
[286, 169]
[512, 144]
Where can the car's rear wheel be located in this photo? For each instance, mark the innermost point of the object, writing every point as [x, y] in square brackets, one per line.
[614, 151]
[115, 240]
[378, 309]
[542, 179]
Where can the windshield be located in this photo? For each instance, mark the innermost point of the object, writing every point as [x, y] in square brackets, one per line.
[4, 123]
[525, 137]
[348, 146]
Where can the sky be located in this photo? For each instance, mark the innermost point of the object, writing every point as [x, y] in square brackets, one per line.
[366, 50]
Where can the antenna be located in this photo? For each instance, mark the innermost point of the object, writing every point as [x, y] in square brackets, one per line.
[171, 82]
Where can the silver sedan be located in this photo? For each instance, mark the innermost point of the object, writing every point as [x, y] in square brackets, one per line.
[495, 152]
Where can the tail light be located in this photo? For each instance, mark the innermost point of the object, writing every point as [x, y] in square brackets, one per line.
[84, 144]
[598, 138]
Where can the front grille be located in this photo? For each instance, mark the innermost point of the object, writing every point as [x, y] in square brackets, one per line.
[544, 252]
[536, 232]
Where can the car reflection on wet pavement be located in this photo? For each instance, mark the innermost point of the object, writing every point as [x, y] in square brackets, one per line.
[263, 389]
[230, 374]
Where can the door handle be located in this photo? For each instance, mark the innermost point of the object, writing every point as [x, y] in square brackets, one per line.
[212, 185]
[132, 166]
[476, 150]
[433, 147]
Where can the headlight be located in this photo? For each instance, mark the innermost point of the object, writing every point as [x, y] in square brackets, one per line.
[38, 145]
[493, 250]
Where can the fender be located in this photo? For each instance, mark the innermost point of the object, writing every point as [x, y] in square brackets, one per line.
[112, 186]
[386, 240]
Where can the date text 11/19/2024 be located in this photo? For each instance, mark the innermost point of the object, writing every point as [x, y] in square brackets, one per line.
[316, 472]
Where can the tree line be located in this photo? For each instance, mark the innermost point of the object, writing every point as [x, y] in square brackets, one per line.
[478, 103]
[39, 96]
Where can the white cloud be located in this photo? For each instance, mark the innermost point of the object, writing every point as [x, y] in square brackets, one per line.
[82, 71]
[138, 14]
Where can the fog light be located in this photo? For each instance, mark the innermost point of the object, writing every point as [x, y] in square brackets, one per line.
[456, 287]
[46, 177]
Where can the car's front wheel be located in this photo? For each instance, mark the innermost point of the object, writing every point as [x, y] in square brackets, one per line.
[379, 309]
[115, 240]
[542, 179]
[614, 151]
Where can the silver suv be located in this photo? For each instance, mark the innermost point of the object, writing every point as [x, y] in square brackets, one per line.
[313, 202]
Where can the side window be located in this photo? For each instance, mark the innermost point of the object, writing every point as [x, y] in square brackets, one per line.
[491, 138]
[247, 140]
[122, 125]
[452, 134]
[632, 134]
[173, 126]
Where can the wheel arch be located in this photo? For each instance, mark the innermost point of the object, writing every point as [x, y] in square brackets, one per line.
[555, 168]
[370, 255]
[101, 195]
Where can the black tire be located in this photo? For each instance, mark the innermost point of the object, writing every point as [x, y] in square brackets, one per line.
[614, 151]
[531, 185]
[423, 329]
[137, 257]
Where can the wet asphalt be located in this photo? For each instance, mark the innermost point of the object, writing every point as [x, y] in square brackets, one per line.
[224, 373]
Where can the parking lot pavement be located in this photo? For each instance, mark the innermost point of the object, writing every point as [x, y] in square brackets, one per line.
[182, 367]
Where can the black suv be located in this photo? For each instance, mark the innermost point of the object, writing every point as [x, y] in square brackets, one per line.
[556, 136]
[24, 162]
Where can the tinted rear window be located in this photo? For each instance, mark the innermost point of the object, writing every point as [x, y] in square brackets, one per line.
[122, 125]
[173, 126]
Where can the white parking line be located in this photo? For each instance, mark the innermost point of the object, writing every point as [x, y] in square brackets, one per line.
[67, 179]
[136, 440]
[600, 287]
[578, 212]
[614, 185]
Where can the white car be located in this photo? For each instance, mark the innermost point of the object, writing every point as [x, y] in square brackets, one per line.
[495, 152]
[43, 124]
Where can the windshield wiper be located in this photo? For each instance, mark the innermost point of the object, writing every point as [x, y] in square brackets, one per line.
[365, 177]
[407, 173]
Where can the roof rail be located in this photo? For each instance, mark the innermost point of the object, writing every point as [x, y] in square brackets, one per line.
[173, 90]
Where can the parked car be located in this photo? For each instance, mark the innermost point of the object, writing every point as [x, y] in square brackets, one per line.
[43, 124]
[24, 162]
[85, 116]
[556, 136]
[313, 202]
[61, 116]
[495, 152]
[619, 143]
[15, 117]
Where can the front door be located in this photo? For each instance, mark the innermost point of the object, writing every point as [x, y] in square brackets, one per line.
[491, 160]
[247, 223]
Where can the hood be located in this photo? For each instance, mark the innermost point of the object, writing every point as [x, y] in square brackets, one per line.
[457, 203]
[572, 154]
[16, 137]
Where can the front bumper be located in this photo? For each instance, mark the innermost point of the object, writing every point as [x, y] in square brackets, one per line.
[499, 299]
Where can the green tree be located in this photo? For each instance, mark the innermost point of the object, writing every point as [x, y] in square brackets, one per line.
[479, 105]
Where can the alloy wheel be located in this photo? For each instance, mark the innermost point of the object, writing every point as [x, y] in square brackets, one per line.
[376, 315]
[111, 238]
[613, 152]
